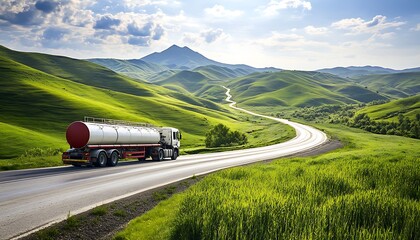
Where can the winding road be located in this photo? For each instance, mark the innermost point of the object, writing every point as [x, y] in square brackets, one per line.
[35, 198]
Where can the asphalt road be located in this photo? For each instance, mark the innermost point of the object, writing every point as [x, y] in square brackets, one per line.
[32, 199]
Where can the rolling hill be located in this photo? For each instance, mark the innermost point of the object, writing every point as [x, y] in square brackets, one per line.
[134, 68]
[298, 89]
[354, 71]
[195, 83]
[158, 66]
[41, 94]
[397, 85]
[409, 107]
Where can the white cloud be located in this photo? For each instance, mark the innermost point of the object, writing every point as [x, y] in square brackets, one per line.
[290, 42]
[416, 28]
[374, 26]
[274, 6]
[207, 36]
[311, 30]
[141, 3]
[15, 6]
[218, 11]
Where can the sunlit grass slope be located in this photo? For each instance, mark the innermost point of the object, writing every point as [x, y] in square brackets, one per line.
[298, 89]
[396, 85]
[366, 190]
[134, 68]
[196, 83]
[220, 73]
[409, 107]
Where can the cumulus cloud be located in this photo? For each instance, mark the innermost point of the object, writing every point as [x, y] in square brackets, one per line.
[106, 22]
[139, 41]
[14, 6]
[141, 3]
[207, 36]
[219, 11]
[20, 13]
[290, 42]
[357, 25]
[142, 34]
[212, 35]
[75, 24]
[311, 30]
[274, 6]
[159, 31]
[140, 30]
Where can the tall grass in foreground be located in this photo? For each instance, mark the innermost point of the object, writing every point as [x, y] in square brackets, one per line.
[368, 190]
[276, 202]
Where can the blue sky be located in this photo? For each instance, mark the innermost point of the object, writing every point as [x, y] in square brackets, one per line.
[289, 34]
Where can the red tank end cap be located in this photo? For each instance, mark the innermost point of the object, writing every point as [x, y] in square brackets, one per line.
[77, 134]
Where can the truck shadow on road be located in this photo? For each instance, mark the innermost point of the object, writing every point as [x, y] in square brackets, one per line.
[18, 175]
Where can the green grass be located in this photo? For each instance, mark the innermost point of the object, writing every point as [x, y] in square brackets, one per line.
[409, 107]
[398, 85]
[195, 82]
[297, 89]
[146, 228]
[100, 210]
[367, 190]
[137, 69]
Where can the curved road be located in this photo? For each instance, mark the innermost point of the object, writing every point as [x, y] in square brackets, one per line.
[35, 198]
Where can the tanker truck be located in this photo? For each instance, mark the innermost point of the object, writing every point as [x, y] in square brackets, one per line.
[103, 142]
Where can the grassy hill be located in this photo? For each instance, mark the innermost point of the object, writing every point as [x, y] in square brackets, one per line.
[298, 89]
[398, 85]
[409, 107]
[357, 71]
[135, 68]
[195, 82]
[41, 94]
[221, 73]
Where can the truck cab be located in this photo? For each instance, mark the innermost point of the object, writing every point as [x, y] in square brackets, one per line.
[170, 140]
[170, 137]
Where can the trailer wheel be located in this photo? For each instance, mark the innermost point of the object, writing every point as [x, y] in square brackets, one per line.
[174, 154]
[101, 160]
[113, 159]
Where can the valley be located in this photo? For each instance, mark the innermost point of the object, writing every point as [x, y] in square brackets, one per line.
[41, 94]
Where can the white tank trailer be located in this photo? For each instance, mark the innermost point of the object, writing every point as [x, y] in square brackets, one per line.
[102, 142]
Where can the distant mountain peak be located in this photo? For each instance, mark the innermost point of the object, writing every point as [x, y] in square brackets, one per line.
[181, 50]
[181, 57]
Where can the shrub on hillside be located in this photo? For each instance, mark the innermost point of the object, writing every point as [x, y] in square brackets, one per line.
[221, 136]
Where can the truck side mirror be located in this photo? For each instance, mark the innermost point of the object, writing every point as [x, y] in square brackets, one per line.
[180, 136]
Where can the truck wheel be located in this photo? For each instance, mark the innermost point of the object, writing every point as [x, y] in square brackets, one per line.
[101, 160]
[113, 160]
[174, 154]
[161, 155]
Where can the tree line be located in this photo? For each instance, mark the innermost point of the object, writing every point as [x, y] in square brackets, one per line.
[346, 115]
